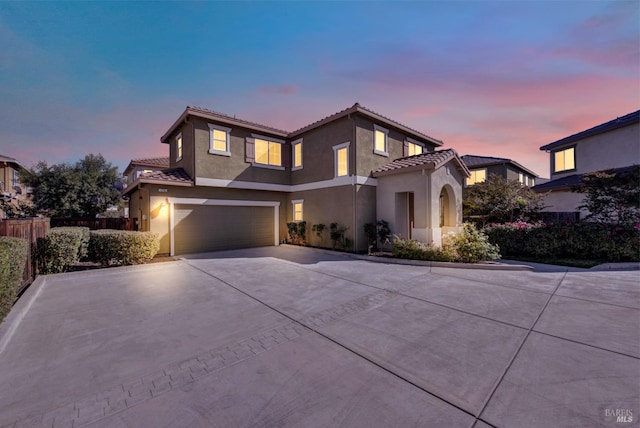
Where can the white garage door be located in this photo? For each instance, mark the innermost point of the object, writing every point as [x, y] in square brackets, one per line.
[202, 228]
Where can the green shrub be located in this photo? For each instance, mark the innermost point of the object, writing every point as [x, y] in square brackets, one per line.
[468, 246]
[336, 232]
[13, 258]
[121, 247]
[61, 248]
[297, 232]
[585, 241]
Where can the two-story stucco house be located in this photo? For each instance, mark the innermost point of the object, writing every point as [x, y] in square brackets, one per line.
[481, 167]
[232, 183]
[614, 144]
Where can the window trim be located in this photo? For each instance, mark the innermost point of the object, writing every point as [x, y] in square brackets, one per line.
[553, 158]
[270, 140]
[212, 151]
[337, 148]
[179, 147]
[385, 131]
[293, 210]
[409, 140]
[466, 180]
[295, 143]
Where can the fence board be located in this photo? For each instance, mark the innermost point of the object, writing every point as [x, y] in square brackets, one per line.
[30, 229]
[96, 223]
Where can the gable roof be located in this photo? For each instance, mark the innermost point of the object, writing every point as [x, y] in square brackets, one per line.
[233, 121]
[473, 161]
[620, 122]
[222, 118]
[148, 162]
[426, 160]
[173, 176]
[357, 108]
[10, 160]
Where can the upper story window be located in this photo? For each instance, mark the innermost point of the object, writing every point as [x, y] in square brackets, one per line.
[381, 140]
[477, 176]
[297, 209]
[15, 178]
[413, 148]
[522, 179]
[296, 148]
[179, 147]
[268, 151]
[564, 160]
[341, 163]
[219, 140]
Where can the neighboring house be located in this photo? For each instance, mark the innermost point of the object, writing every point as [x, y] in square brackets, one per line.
[232, 183]
[11, 189]
[139, 166]
[614, 144]
[481, 166]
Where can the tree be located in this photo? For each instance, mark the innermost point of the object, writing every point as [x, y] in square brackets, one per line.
[82, 190]
[498, 200]
[612, 196]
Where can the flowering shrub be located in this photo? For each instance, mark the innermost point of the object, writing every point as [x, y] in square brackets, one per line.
[587, 241]
[469, 246]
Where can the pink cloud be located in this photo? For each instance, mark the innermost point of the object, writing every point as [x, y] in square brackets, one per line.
[277, 90]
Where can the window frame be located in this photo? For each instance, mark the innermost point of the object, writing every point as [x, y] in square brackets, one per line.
[294, 144]
[293, 210]
[385, 131]
[555, 166]
[227, 131]
[409, 142]
[336, 150]
[15, 178]
[179, 147]
[268, 140]
[466, 180]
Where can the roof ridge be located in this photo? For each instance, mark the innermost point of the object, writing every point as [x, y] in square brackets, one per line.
[217, 113]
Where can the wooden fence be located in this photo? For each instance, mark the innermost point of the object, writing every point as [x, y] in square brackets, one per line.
[30, 229]
[96, 223]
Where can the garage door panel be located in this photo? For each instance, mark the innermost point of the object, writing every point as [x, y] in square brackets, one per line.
[204, 228]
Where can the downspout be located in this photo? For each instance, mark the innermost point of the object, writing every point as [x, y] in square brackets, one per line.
[355, 184]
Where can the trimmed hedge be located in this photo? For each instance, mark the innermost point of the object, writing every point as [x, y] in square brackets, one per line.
[121, 247]
[62, 247]
[585, 241]
[468, 246]
[13, 258]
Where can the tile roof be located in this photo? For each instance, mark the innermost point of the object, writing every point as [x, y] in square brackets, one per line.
[357, 108]
[156, 162]
[235, 119]
[473, 161]
[431, 160]
[169, 176]
[570, 181]
[626, 120]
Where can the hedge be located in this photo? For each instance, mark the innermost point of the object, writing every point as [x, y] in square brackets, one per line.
[62, 247]
[586, 241]
[121, 247]
[13, 258]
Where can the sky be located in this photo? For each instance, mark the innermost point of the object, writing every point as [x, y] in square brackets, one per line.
[489, 78]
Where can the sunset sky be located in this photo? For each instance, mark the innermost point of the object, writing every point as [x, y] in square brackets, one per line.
[488, 78]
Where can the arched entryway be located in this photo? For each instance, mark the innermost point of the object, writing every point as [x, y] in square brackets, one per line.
[447, 207]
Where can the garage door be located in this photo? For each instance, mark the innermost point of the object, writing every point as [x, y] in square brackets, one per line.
[209, 228]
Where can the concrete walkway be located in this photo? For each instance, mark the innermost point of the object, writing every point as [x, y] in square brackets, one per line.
[293, 337]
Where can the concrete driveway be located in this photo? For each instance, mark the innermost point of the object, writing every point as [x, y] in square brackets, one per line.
[294, 337]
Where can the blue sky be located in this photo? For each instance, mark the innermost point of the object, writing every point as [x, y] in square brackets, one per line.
[489, 78]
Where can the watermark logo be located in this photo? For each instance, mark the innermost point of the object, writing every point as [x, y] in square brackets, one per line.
[619, 415]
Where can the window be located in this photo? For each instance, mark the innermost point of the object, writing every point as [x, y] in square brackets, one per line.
[15, 178]
[381, 144]
[297, 155]
[341, 154]
[564, 160]
[179, 147]
[414, 149]
[268, 151]
[297, 209]
[477, 176]
[219, 140]
[522, 179]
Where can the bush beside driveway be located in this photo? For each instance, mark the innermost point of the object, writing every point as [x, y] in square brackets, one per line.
[286, 336]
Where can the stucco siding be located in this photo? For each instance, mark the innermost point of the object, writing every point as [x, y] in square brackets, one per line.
[318, 153]
[613, 149]
[564, 201]
[365, 213]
